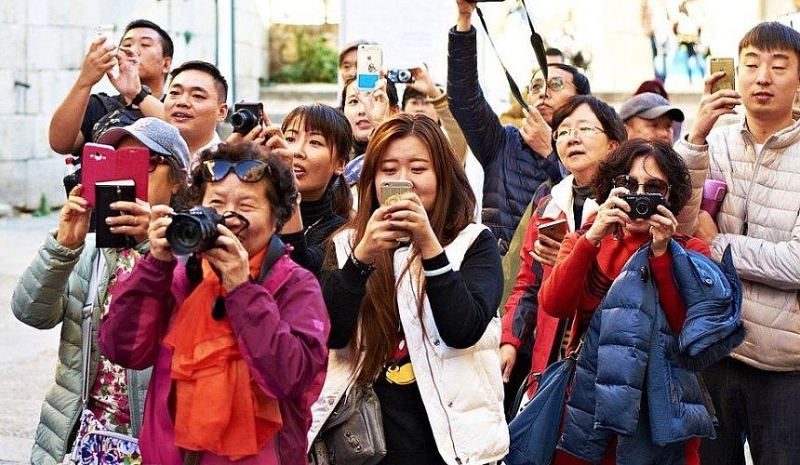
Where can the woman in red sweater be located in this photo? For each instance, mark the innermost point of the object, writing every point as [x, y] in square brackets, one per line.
[590, 259]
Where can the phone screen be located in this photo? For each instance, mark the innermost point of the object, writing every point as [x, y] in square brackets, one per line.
[368, 66]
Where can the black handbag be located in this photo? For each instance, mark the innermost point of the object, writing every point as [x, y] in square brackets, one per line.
[353, 433]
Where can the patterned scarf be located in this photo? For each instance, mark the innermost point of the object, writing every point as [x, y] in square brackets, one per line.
[218, 406]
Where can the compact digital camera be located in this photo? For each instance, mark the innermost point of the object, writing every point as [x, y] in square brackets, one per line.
[246, 116]
[400, 75]
[643, 205]
[194, 230]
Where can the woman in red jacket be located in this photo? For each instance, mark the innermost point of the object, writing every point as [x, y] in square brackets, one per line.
[586, 131]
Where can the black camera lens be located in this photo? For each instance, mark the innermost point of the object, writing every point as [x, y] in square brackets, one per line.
[193, 231]
[244, 120]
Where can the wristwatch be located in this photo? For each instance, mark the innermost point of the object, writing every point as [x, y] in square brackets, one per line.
[141, 95]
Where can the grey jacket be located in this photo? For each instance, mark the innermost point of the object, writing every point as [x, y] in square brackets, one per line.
[760, 220]
[50, 291]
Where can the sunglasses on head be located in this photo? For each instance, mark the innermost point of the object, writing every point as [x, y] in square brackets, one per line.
[246, 170]
[653, 186]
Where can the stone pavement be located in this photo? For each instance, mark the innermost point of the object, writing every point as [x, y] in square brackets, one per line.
[27, 355]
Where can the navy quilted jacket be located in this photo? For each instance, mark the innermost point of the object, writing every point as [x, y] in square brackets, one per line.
[636, 378]
[512, 170]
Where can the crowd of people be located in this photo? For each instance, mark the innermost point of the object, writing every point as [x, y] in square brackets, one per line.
[272, 274]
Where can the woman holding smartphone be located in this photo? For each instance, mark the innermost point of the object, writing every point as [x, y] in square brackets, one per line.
[586, 130]
[416, 319]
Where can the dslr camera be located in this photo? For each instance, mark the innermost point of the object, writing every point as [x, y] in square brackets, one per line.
[400, 75]
[246, 116]
[643, 205]
[194, 230]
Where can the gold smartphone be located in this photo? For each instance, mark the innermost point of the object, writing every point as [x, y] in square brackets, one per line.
[393, 189]
[555, 230]
[716, 64]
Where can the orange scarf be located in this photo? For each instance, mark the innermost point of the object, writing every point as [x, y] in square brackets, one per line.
[218, 406]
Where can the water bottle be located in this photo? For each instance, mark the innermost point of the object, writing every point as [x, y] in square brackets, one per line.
[72, 173]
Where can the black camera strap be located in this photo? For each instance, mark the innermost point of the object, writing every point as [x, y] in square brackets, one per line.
[538, 49]
[276, 249]
[274, 252]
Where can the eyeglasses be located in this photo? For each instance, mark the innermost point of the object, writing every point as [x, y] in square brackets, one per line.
[555, 83]
[653, 186]
[246, 170]
[582, 131]
[155, 160]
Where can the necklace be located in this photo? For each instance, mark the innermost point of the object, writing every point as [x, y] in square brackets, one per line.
[305, 231]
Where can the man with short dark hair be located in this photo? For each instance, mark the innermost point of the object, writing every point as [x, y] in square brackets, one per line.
[196, 104]
[650, 116]
[348, 58]
[144, 57]
[756, 389]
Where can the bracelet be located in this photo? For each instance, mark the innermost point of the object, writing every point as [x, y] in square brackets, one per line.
[438, 102]
[364, 269]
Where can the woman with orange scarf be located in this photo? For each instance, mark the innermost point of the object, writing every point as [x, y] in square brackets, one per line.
[237, 335]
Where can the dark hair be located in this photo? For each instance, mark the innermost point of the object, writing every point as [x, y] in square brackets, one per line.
[391, 92]
[579, 79]
[612, 123]
[208, 68]
[334, 127]
[452, 212]
[410, 93]
[280, 191]
[167, 47]
[771, 36]
[353, 46]
[621, 159]
[554, 52]
[654, 86]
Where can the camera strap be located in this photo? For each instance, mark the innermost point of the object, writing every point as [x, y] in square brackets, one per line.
[276, 249]
[538, 49]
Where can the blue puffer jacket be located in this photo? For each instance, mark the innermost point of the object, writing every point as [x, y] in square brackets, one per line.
[512, 170]
[636, 378]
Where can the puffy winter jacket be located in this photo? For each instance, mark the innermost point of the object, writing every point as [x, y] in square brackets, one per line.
[636, 377]
[50, 291]
[760, 220]
[512, 170]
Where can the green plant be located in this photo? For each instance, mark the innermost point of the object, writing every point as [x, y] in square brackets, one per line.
[316, 63]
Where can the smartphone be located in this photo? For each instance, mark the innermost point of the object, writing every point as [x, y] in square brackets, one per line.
[393, 189]
[555, 230]
[716, 64]
[107, 31]
[369, 62]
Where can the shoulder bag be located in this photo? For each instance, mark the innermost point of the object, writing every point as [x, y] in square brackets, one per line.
[353, 433]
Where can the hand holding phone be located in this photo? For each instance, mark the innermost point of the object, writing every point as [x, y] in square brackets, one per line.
[555, 230]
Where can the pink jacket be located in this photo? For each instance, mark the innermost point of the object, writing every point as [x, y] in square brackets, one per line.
[282, 327]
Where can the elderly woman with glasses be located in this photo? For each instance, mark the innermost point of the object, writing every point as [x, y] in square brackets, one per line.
[637, 294]
[238, 338]
[586, 131]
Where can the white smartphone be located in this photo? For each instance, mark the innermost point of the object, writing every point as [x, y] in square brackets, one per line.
[107, 31]
[369, 62]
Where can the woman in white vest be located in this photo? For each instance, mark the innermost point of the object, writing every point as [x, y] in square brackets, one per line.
[412, 298]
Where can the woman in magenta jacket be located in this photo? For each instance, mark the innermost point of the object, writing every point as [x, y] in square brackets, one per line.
[239, 348]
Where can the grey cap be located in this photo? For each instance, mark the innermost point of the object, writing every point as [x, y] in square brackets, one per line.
[648, 105]
[156, 134]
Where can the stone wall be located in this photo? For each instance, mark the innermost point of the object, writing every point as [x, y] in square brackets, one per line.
[43, 43]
